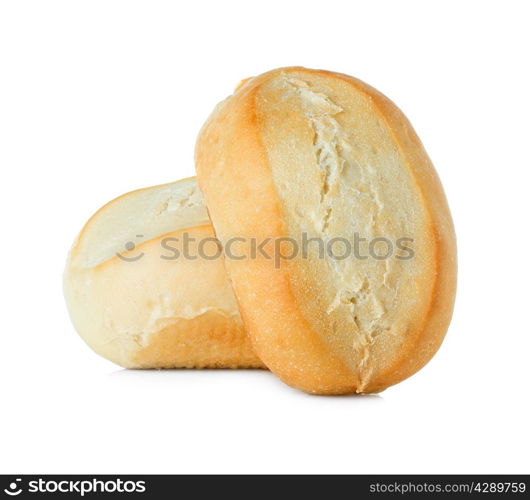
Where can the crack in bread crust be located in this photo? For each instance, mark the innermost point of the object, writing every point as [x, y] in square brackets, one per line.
[342, 172]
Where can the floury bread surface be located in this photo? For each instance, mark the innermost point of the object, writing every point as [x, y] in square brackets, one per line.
[144, 308]
[297, 151]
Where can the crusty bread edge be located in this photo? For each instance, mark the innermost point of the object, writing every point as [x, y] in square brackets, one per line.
[219, 185]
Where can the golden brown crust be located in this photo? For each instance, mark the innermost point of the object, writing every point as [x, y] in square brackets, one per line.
[210, 340]
[235, 174]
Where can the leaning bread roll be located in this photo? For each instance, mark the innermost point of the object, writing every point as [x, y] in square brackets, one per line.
[298, 153]
[138, 300]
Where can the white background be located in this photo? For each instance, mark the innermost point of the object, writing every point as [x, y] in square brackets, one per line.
[101, 97]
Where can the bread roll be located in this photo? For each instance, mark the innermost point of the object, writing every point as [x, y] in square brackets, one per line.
[297, 152]
[137, 305]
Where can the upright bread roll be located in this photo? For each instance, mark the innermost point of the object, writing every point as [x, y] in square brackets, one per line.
[300, 155]
[139, 298]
